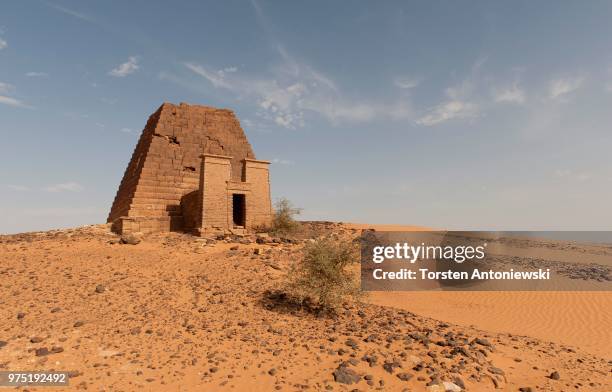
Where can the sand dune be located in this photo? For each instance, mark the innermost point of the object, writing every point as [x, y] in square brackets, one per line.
[579, 319]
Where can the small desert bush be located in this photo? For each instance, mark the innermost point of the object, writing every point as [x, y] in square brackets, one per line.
[284, 222]
[323, 278]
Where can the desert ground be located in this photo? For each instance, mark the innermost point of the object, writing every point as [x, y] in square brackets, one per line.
[176, 312]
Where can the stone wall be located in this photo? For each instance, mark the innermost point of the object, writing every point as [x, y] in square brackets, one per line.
[216, 171]
[259, 205]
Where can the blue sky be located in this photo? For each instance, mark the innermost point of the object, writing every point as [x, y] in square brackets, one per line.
[467, 115]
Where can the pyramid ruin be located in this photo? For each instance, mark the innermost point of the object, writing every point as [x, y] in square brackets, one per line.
[193, 170]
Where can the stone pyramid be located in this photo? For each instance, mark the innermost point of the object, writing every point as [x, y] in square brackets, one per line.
[167, 161]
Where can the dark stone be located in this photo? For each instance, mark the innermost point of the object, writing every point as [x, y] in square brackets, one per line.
[130, 239]
[100, 289]
[554, 375]
[404, 376]
[390, 366]
[434, 381]
[345, 375]
[482, 342]
[351, 343]
[496, 370]
[371, 359]
[459, 381]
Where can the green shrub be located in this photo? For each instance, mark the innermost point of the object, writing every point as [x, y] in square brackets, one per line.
[284, 217]
[322, 277]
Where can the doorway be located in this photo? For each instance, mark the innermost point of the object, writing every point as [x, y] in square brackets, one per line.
[239, 209]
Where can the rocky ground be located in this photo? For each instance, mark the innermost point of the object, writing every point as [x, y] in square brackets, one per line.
[174, 312]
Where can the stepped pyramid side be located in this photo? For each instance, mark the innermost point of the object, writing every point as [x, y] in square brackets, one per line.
[166, 162]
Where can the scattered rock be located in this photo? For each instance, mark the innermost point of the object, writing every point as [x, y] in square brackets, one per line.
[74, 373]
[554, 375]
[345, 375]
[130, 239]
[496, 370]
[41, 352]
[390, 366]
[36, 339]
[3, 343]
[482, 342]
[459, 381]
[404, 376]
[451, 387]
[100, 289]
[351, 343]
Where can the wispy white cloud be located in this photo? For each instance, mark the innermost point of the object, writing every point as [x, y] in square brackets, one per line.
[512, 94]
[448, 111]
[18, 188]
[229, 69]
[295, 89]
[216, 78]
[283, 161]
[406, 82]
[5, 88]
[123, 70]
[560, 88]
[459, 103]
[126, 130]
[3, 44]
[64, 187]
[36, 74]
[71, 12]
[573, 175]
[462, 90]
[12, 102]
[5, 99]
[292, 90]
[344, 110]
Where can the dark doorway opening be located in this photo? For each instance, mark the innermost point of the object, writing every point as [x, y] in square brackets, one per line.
[238, 209]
